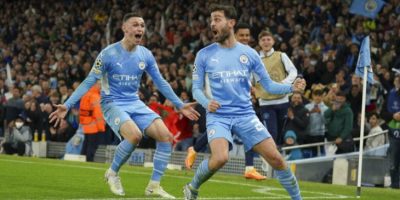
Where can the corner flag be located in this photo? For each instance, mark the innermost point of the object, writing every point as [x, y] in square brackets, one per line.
[366, 8]
[364, 61]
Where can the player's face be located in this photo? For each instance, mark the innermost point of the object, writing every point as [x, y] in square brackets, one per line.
[266, 43]
[221, 26]
[243, 35]
[134, 30]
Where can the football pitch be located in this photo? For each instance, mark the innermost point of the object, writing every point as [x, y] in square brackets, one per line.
[35, 178]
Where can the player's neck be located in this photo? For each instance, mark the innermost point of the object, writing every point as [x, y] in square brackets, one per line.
[128, 46]
[229, 42]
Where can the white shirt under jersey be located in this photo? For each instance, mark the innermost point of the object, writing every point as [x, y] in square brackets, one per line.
[292, 74]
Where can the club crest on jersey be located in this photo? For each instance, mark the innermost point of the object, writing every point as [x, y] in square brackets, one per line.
[117, 121]
[142, 65]
[211, 132]
[244, 59]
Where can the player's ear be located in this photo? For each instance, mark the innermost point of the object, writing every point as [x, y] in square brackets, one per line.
[232, 22]
[123, 27]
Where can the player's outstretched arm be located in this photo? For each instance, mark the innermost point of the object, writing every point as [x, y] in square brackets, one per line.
[58, 114]
[62, 109]
[189, 111]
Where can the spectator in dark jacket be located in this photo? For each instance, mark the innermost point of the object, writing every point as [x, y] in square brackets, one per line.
[298, 117]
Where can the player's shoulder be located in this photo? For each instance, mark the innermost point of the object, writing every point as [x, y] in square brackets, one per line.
[142, 49]
[110, 50]
[208, 49]
[246, 48]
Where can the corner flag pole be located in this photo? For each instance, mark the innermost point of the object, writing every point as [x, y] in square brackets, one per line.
[360, 153]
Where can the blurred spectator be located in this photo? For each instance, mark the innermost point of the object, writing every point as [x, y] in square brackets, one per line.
[393, 109]
[378, 140]
[18, 138]
[339, 123]
[91, 120]
[291, 140]
[14, 106]
[298, 118]
[316, 128]
[357, 130]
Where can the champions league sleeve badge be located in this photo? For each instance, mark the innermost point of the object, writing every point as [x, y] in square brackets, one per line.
[97, 66]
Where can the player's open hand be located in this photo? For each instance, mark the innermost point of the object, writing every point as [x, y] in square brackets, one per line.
[58, 114]
[189, 111]
[299, 85]
[213, 106]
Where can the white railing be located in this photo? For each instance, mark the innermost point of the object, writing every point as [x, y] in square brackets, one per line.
[319, 144]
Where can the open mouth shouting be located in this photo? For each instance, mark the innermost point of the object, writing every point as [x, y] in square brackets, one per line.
[138, 36]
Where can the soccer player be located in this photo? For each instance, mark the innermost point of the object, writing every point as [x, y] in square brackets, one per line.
[223, 70]
[242, 35]
[120, 67]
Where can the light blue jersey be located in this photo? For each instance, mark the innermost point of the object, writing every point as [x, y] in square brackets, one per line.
[120, 72]
[223, 74]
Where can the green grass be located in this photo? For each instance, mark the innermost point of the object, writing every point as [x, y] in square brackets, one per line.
[34, 178]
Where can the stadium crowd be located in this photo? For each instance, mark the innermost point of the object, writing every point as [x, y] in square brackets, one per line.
[50, 49]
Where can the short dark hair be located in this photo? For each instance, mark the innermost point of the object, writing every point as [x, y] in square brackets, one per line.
[130, 15]
[229, 10]
[242, 25]
[374, 114]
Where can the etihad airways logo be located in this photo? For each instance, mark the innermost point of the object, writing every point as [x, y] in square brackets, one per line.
[124, 77]
[230, 76]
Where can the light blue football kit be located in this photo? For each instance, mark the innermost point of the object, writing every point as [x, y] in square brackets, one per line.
[120, 72]
[224, 75]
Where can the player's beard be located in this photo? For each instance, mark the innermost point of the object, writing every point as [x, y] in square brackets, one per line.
[223, 35]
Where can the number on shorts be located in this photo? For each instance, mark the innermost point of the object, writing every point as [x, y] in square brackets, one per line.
[259, 126]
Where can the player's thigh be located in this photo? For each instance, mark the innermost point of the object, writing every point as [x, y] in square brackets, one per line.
[219, 153]
[250, 130]
[267, 149]
[131, 132]
[159, 131]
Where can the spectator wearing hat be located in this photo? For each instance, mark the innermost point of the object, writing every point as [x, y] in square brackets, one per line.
[290, 139]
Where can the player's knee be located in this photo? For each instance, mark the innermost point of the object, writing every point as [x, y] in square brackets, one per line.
[166, 137]
[277, 162]
[133, 138]
[220, 160]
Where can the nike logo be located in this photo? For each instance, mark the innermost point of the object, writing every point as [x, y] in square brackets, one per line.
[119, 64]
